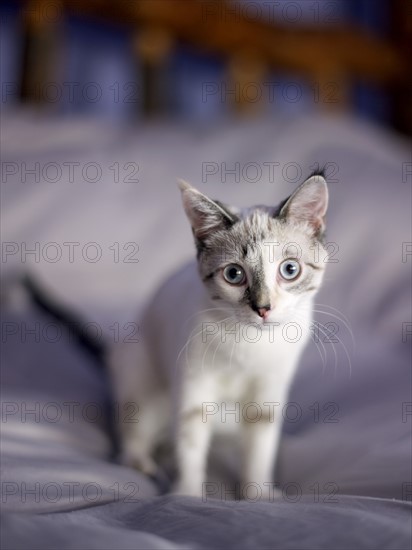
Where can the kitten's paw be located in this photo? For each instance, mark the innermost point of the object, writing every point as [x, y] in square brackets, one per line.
[187, 489]
[276, 494]
[143, 463]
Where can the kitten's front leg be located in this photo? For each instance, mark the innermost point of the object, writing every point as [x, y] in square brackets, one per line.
[193, 437]
[260, 445]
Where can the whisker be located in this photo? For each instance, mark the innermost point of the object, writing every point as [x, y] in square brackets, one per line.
[334, 309]
[344, 349]
[323, 358]
[319, 325]
[217, 347]
[339, 319]
[218, 333]
[196, 335]
[342, 318]
[221, 341]
[190, 338]
[204, 311]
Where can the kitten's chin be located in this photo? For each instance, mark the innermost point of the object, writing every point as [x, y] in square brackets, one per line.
[274, 320]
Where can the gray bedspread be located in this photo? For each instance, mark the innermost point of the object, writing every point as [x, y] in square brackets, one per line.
[345, 457]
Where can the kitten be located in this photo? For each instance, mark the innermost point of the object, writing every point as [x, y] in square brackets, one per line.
[227, 340]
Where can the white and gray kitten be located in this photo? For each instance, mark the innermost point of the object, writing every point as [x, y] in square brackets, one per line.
[229, 339]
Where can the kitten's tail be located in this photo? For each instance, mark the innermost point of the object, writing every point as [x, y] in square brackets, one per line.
[43, 299]
[19, 291]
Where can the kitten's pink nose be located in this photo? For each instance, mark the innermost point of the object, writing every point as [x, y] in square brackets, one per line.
[262, 311]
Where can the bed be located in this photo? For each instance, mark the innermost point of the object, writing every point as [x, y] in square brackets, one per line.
[345, 456]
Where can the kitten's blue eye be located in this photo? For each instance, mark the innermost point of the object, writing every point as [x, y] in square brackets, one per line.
[289, 269]
[234, 274]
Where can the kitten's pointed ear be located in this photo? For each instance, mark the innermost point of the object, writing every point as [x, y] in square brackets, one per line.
[205, 215]
[308, 204]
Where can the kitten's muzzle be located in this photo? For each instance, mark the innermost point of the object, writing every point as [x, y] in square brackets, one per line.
[262, 311]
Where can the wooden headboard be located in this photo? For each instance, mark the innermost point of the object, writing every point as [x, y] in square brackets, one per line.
[332, 56]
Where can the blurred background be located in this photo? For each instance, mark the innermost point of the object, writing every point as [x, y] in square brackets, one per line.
[104, 104]
[200, 59]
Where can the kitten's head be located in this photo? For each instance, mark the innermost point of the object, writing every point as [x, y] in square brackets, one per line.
[261, 263]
